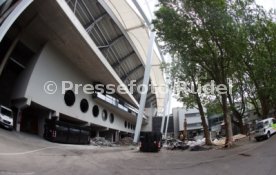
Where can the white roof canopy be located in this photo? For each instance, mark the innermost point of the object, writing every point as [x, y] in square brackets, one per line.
[138, 35]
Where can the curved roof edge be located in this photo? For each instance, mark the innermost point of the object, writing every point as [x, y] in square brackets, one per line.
[137, 33]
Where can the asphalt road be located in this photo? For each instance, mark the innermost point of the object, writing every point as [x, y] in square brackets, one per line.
[27, 155]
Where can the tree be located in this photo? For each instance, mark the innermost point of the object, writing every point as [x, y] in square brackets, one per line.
[213, 107]
[192, 76]
[228, 40]
[204, 34]
[258, 59]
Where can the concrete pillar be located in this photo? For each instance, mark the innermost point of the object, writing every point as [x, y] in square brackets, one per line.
[53, 114]
[18, 119]
[97, 133]
[117, 136]
[110, 136]
[41, 123]
[50, 115]
[20, 104]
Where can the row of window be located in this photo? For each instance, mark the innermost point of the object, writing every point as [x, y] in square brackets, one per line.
[129, 125]
[194, 125]
[69, 98]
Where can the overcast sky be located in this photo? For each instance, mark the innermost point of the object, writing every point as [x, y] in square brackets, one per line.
[150, 4]
[267, 4]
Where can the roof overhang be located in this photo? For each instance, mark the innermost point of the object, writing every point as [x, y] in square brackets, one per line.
[138, 35]
[55, 23]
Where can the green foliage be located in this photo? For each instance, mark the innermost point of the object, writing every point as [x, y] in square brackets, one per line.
[219, 39]
[214, 107]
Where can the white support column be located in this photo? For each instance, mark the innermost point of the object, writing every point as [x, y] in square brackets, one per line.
[168, 113]
[137, 5]
[145, 87]
[164, 112]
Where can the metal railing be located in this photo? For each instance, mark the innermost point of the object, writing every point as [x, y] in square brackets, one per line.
[116, 102]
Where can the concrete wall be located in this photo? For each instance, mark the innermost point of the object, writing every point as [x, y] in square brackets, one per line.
[192, 116]
[156, 125]
[150, 112]
[23, 79]
[181, 117]
[53, 66]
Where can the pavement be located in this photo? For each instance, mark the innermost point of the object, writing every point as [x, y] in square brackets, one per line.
[23, 154]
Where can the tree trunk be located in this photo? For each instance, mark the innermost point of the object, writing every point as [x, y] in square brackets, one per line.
[227, 121]
[238, 115]
[203, 121]
[202, 115]
[240, 121]
[265, 106]
[253, 101]
[238, 124]
[241, 126]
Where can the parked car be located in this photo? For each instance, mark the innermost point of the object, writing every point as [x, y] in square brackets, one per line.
[265, 128]
[6, 117]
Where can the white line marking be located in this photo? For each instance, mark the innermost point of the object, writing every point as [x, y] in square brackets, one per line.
[28, 152]
[15, 173]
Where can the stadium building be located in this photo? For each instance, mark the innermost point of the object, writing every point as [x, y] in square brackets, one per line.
[97, 42]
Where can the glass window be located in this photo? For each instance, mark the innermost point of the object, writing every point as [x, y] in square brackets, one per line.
[125, 124]
[191, 115]
[259, 125]
[111, 118]
[104, 115]
[84, 105]
[95, 111]
[6, 112]
[69, 98]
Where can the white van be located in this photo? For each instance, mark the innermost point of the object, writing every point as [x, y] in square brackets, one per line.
[265, 128]
[6, 117]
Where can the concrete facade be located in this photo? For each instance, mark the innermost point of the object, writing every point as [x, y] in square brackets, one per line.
[156, 125]
[47, 41]
[194, 123]
[52, 66]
